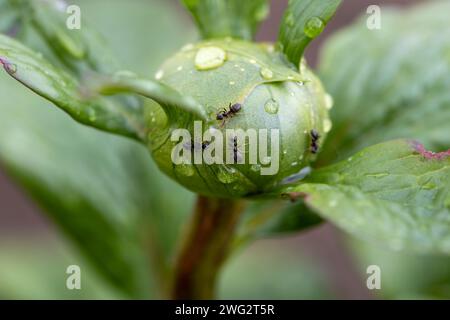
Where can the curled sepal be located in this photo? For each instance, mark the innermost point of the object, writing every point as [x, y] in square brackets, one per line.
[228, 18]
[55, 85]
[396, 193]
[175, 105]
[303, 21]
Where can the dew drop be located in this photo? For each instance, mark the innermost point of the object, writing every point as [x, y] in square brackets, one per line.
[290, 19]
[226, 175]
[314, 27]
[329, 101]
[210, 58]
[294, 164]
[266, 73]
[11, 68]
[232, 83]
[159, 74]
[266, 160]
[327, 125]
[255, 168]
[186, 170]
[271, 106]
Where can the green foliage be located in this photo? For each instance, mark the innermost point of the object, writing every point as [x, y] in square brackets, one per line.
[303, 21]
[102, 191]
[394, 193]
[65, 91]
[390, 85]
[228, 18]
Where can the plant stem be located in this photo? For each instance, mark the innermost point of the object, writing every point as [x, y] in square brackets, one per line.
[205, 248]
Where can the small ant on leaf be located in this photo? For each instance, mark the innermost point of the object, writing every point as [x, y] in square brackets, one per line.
[228, 113]
[238, 156]
[314, 141]
[196, 146]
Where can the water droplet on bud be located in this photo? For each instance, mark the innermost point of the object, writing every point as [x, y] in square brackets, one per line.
[314, 27]
[159, 75]
[210, 58]
[266, 73]
[186, 170]
[226, 174]
[290, 19]
[271, 106]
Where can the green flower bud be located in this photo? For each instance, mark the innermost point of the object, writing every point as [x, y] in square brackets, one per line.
[273, 96]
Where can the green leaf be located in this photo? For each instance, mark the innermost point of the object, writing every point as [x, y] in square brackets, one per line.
[228, 18]
[396, 193]
[170, 100]
[387, 84]
[64, 91]
[303, 21]
[102, 191]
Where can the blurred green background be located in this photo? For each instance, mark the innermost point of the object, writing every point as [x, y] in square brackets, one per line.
[321, 263]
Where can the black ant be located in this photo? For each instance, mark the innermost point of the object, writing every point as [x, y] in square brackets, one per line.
[232, 110]
[235, 150]
[315, 136]
[194, 146]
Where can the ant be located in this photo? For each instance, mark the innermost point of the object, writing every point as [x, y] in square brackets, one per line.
[195, 146]
[235, 150]
[314, 141]
[237, 153]
[232, 110]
